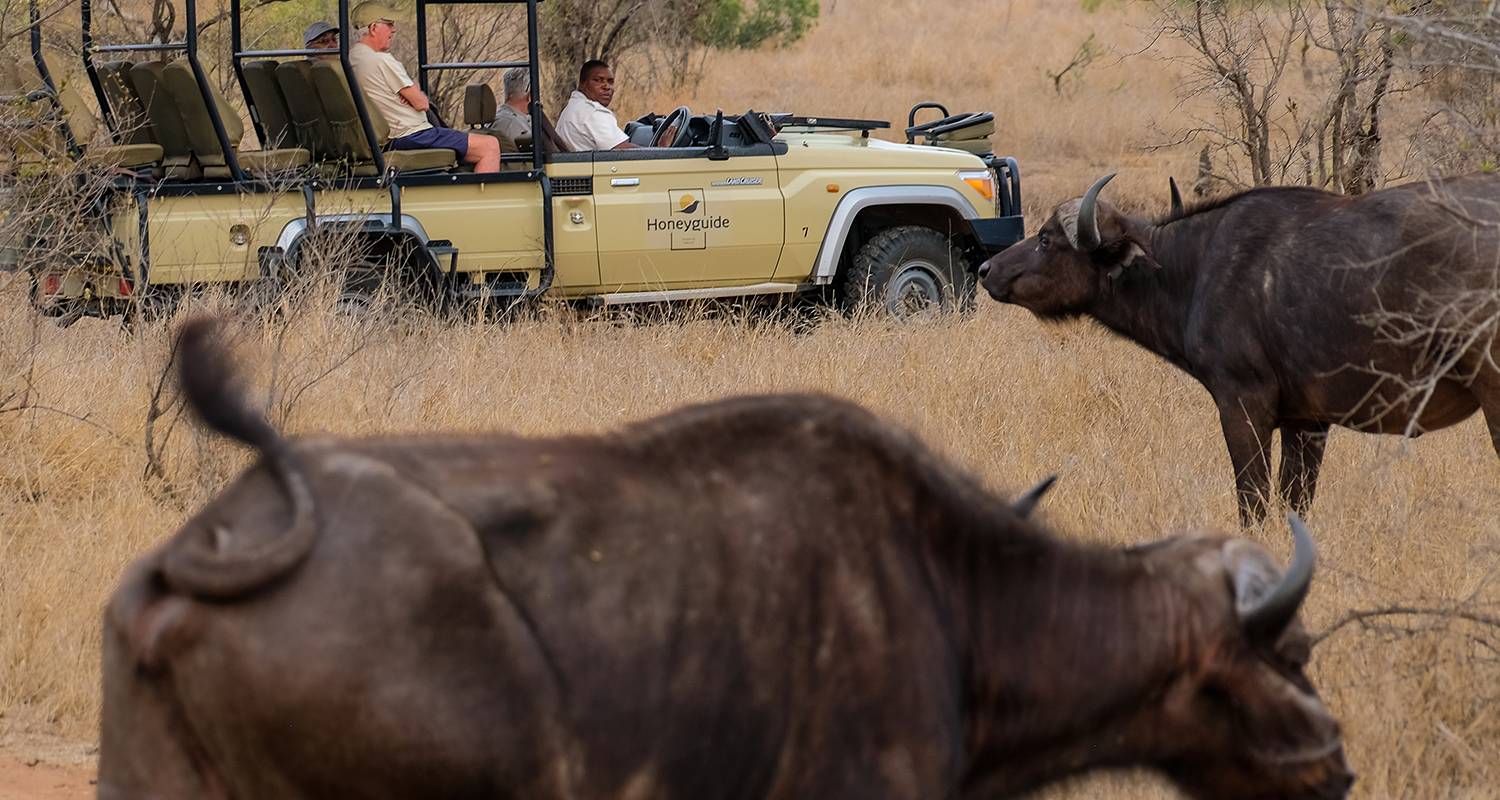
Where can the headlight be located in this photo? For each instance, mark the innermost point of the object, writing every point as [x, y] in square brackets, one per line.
[980, 180]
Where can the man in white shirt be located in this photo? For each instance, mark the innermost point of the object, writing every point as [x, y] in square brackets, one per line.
[586, 123]
[404, 106]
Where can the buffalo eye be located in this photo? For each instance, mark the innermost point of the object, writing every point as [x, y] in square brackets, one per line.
[1042, 241]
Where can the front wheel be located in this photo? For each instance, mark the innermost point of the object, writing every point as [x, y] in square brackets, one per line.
[909, 272]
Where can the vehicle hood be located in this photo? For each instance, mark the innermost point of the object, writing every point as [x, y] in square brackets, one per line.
[880, 151]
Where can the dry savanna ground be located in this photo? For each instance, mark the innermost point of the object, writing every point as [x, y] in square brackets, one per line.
[1400, 524]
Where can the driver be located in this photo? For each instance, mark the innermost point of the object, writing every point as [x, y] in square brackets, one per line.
[586, 123]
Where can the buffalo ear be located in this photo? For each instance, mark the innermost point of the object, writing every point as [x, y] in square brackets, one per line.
[1136, 254]
[1127, 245]
[1266, 598]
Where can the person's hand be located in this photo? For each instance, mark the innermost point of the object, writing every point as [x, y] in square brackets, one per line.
[667, 137]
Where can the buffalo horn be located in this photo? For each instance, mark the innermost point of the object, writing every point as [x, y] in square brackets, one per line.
[1176, 198]
[1088, 216]
[1027, 503]
[1266, 617]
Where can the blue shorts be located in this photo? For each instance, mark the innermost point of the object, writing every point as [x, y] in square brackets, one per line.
[432, 138]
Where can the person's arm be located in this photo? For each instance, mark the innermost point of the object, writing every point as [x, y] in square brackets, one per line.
[414, 97]
[625, 145]
[396, 74]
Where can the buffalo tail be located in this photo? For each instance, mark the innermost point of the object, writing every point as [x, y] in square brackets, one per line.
[206, 560]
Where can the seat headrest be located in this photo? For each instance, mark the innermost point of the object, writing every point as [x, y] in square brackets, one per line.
[479, 105]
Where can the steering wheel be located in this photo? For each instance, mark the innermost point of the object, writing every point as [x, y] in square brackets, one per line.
[678, 119]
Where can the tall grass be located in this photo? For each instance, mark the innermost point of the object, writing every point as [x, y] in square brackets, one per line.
[1136, 442]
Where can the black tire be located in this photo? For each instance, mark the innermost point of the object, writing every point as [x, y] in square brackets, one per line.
[909, 272]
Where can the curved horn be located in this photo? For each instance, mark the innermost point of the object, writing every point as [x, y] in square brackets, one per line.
[1176, 198]
[1264, 618]
[1027, 503]
[1088, 215]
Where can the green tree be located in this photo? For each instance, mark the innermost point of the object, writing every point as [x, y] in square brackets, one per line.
[730, 23]
[574, 31]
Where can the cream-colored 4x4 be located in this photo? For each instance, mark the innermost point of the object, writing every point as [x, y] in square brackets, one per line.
[753, 204]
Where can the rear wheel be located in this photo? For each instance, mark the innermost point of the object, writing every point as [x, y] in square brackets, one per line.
[909, 272]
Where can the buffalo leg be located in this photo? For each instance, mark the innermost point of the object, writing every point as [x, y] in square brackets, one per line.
[1487, 389]
[1247, 432]
[1302, 445]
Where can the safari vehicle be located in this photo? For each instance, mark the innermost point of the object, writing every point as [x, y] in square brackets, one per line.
[734, 206]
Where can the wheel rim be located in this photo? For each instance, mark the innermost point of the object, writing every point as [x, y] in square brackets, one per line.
[353, 303]
[915, 291]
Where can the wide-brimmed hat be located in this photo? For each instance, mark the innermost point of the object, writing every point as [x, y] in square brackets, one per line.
[317, 29]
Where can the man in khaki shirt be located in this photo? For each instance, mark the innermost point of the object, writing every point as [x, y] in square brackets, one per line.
[387, 87]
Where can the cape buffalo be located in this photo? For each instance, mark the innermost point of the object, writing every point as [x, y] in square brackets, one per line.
[1296, 308]
[768, 597]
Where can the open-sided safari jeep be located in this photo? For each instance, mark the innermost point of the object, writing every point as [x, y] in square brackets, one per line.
[737, 205]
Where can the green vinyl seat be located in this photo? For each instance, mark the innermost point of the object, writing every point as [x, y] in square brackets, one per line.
[343, 117]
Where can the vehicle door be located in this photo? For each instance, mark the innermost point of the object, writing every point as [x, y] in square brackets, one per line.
[687, 217]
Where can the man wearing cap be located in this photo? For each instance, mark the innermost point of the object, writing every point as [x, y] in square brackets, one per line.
[387, 86]
[322, 35]
[586, 123]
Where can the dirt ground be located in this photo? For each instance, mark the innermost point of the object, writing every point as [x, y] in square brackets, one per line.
[43, 767]
[44, 781]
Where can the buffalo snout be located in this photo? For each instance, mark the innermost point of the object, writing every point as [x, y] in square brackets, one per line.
[995, 278]
[1001, 271]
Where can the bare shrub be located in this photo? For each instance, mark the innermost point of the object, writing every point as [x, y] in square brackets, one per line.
[1298, 87]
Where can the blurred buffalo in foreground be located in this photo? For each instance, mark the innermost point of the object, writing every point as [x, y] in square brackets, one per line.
[767, 597]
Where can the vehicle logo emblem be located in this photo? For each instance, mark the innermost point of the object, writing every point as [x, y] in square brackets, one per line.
[687, 222]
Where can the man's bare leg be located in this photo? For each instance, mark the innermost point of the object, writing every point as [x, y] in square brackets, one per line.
[484, 153]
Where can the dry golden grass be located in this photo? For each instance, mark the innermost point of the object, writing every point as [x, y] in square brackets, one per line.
[875, 59]
[1136, 442]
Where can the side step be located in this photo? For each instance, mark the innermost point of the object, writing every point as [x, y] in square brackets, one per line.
[666, 295]
[495, 284]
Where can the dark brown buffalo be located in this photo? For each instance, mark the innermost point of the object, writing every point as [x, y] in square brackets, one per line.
[770, 597]
[1296, 308]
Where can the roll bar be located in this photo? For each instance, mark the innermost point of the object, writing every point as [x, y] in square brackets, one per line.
[238, 53]
[538, 147]
[50, 87]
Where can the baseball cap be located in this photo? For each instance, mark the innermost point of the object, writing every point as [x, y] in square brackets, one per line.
[317, 29]
[366, 14]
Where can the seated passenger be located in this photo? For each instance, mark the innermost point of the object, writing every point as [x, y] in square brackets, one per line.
[586, 123]
[387, 86]
[322, 36]
[513, 119]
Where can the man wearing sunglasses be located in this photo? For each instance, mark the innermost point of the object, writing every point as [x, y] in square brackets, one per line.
[395, 94]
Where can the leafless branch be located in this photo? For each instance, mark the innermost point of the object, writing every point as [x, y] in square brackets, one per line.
[1364, 615]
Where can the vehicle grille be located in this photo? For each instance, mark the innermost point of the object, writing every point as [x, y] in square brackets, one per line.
[562, 187]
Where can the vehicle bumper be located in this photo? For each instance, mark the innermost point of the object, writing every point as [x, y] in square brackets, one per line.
[998, 233]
